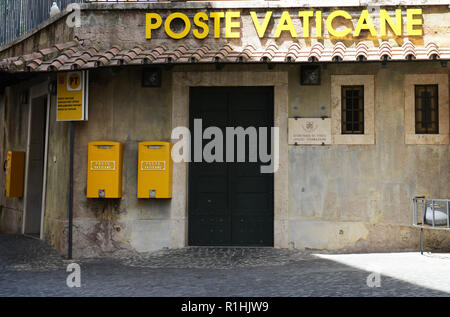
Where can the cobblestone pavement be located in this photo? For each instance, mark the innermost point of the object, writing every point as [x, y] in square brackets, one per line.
[30, 268]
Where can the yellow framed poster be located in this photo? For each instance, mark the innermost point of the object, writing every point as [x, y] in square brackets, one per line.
[72, 99]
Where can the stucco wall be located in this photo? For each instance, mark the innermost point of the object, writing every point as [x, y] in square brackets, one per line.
[121, 110]
[13, 137]
[49, 33]
[127, 27]
[341, 197]
[359, 196]
[55, 217]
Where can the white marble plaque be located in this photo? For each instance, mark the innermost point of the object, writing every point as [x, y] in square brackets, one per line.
[309, 131]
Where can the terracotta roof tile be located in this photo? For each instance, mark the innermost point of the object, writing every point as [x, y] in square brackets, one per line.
[338, 52]
[246, 53]
[315, 52]
[63, 46]
[362, 51]
[199, 53]
[432, 50]
[73, 55]
[409, 50]
[293, 52]
[223, 52]
[269, 53]
[385, 50]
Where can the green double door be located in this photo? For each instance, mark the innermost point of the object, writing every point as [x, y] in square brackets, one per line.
[231, 203]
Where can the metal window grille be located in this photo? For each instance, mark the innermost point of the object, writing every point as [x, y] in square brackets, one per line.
[352, 116]
[426, 109]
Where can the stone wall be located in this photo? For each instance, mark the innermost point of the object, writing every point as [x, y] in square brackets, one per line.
[341, 197]
[127, 27]
[13, 137]
[358, 197]
[121, 110]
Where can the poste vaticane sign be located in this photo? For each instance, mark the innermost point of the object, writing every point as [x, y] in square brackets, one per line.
[334, 24]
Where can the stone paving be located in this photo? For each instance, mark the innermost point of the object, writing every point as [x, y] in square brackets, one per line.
[30, 268]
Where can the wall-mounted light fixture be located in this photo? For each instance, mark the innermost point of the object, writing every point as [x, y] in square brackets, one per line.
[151, 77]
[310, 75]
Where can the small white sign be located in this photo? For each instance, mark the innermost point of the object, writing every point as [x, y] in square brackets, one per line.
[103, 165]
[309, 131]
[153, 165]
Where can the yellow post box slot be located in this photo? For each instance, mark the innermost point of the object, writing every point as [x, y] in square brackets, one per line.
[14, 168]
[154, 170]
[104, 176]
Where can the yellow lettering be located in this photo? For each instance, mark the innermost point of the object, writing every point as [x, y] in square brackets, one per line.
[216, 16]
[261, 29]
[149, 26]
[204, 26]
[318, 23]
[386, 19]
[411, 22]
[187, 25]
[285, 24]
[365, 23]
[306, 15]
[230, 24]
[330, 19]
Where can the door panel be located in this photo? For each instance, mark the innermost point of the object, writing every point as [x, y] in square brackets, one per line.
[35, 166]
[231, 203]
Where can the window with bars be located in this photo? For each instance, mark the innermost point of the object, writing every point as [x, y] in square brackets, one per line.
[426, 109]
[352, 117]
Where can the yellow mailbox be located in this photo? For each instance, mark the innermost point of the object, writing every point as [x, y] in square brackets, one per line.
[155, 170]
[14, 169]
[104, 176]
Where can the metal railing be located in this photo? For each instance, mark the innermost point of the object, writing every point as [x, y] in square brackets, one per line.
[430, 214]
[20, 16]
[17, 17]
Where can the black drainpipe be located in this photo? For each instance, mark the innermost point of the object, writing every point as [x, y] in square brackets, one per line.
[69, 255]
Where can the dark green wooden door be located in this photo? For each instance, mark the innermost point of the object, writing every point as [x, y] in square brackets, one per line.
[230, 204]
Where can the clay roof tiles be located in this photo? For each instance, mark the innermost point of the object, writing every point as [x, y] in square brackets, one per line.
[74, 55]
[293, 52]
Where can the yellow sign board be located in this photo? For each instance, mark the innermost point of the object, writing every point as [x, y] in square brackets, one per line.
[72, 97]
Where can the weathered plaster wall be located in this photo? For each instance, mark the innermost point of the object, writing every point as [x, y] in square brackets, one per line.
[51, 32]
[13, 137]
[341, 197]
[121, 110]
[358, 197]
[127, 27]
[55, 217]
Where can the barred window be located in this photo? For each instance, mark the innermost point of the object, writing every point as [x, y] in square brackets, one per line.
[426, 109]
[352, 98]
